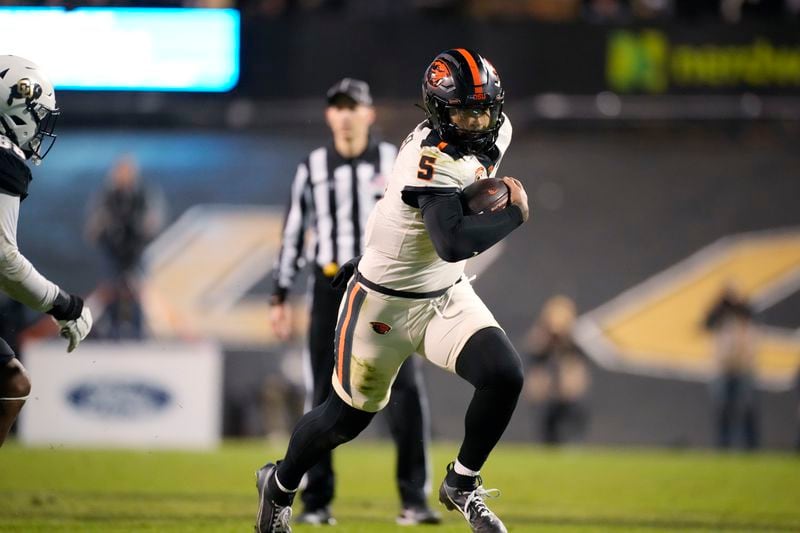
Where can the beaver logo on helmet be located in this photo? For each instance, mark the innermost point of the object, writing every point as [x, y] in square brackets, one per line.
[438, 73]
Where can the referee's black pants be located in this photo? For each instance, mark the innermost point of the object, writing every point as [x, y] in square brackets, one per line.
[406, 411]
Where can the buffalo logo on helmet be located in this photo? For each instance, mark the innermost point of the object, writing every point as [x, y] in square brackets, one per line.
[380, 328]
[438, 73]
[24, 89]
[480, 172]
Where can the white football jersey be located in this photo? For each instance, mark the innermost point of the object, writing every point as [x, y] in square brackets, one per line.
[399, 253]
[18, 277]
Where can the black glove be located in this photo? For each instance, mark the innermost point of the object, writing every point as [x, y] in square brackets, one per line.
[66, 307]
[345, 272]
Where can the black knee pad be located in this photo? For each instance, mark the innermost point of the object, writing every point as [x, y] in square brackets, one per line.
[489, 361]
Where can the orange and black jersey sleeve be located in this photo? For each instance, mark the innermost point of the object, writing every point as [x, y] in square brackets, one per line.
[14, 173]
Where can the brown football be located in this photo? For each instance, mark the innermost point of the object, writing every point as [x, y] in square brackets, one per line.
[484, 196]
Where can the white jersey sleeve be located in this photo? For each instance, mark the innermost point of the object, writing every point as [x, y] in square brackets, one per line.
[18, 278]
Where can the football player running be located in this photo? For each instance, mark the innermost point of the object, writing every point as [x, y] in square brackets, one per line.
[27, 117]
[409, 294]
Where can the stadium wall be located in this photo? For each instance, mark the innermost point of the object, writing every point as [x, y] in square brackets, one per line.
[611, 208]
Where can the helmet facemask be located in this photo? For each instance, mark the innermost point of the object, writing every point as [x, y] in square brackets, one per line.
[473, 128]
[44, 139]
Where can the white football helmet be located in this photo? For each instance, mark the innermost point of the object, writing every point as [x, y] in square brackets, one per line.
[28, 108]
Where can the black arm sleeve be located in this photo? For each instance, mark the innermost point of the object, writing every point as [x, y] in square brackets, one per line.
[456, 236]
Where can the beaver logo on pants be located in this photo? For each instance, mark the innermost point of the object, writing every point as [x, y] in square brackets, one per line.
[380, 328]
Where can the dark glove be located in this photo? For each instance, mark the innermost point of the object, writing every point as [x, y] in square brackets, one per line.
[66, 307]
[346, 271]
[73, 318]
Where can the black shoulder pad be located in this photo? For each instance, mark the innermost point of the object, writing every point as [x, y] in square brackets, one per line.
[433, 139]
[14, 173]
[489, 158]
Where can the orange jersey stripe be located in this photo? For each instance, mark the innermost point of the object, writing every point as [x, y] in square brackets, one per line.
[473, 67]
[343, 333]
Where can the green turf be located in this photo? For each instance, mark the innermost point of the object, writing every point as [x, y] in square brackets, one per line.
[583, 490]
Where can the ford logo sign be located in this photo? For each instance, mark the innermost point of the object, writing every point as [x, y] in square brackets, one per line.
[119, 399]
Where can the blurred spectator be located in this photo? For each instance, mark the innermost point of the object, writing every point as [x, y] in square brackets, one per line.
[734, 394]
[558, 376]
[123, 218]
[544, 10]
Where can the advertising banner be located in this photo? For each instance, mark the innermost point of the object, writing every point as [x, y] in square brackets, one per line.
[655, 61]
[132, 395]
[128, 49]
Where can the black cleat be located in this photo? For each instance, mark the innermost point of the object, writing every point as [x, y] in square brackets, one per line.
[414, 515]
[470, 503]
[272, 517]
[317, 517]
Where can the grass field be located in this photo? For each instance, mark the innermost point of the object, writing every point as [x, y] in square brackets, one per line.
[543, 490]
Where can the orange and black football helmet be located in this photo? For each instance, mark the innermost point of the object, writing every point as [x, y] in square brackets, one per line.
[463, 79]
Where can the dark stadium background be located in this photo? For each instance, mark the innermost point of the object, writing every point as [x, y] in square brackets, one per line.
[642, 178]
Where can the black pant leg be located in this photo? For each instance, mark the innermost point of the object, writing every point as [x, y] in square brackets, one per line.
[491, 364]
[407, 413]
[318, 432]
[324, 312]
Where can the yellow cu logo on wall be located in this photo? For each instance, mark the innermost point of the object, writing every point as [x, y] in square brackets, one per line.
[657, 327]
[201, 270]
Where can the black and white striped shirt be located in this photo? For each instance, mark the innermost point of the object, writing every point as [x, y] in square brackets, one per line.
[333, 197]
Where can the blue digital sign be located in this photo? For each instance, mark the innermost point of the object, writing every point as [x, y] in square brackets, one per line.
[131, 49]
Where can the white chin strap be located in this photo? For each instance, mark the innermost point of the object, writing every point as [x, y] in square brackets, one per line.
[13, 399]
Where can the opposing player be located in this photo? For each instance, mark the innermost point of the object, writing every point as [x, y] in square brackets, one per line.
[27, 116]
[409, 293]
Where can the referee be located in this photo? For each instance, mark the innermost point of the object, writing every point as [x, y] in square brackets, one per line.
[333, 192]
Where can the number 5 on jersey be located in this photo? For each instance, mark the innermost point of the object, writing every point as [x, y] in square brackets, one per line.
[426, 167]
